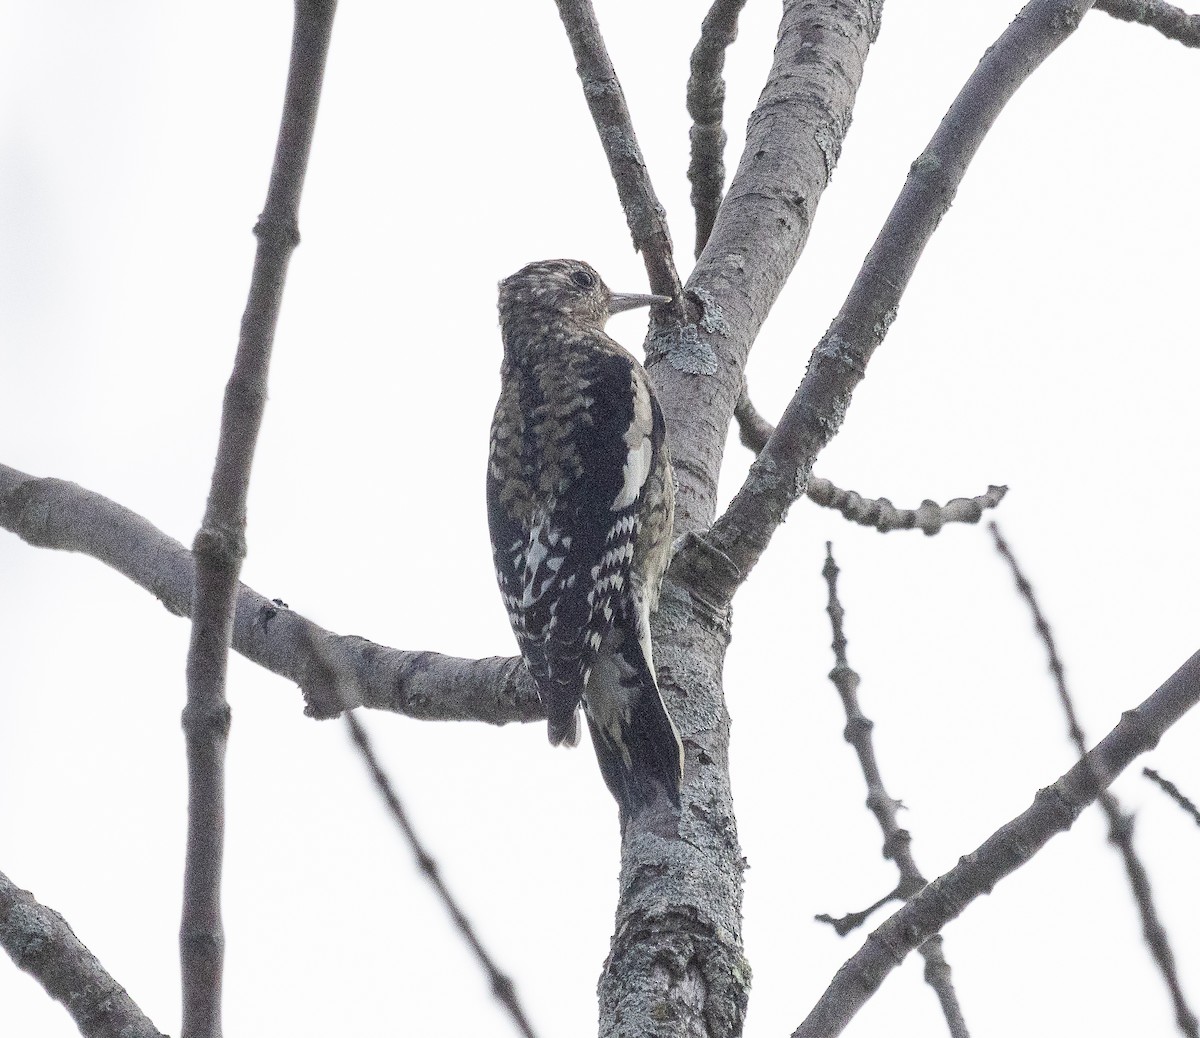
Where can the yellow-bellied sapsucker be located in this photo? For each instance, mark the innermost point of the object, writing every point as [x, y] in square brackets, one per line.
[580, 504]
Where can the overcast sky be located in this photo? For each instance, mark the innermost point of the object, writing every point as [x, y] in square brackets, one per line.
[1048, 342]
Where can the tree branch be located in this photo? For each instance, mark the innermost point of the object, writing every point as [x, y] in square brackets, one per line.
[1172, 22]
[502, 986]
[883, 516]
[331, 669]
[793, 140]
[220, 543]
[1054, 809]
[41, 943]
[1173, 792]
[754, 430]
[838, 364]
[643, 212]
[897, 841]
[706, 106]
[878, 512]
[1120, 825]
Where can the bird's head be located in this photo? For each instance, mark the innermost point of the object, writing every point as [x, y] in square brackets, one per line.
[564, 289]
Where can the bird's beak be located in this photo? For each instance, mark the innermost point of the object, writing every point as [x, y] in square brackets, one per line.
[622, 301]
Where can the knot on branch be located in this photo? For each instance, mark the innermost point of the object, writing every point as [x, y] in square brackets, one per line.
[896, 843]
[281, 233]
[207, 720]
[219, 547]
[857, 727]
[1146, 736]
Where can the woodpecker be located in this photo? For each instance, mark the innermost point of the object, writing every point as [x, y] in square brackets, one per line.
[581, 502]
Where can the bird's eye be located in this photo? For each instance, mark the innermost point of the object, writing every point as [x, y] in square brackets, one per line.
[583, 279]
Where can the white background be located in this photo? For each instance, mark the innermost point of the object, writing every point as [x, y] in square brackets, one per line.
[1048, 341]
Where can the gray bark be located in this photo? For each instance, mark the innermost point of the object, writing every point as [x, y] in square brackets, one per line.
[41, 942]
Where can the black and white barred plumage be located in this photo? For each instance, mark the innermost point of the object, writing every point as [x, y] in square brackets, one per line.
[580, 504]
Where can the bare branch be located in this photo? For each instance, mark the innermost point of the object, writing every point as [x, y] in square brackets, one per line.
[851, 921]
[897, 841]
[220, 543]
[793, 140]
[331, 669]
[753, 429]
[644, 213]
[502, 986]
[706, 106]
[41, 943]
[881, 514]
[937, 975]
[1174, 793]
[1074, 729]
[838, 363]
[1054, 810]
[877, 512]
[1120, 825]
[1173, 23]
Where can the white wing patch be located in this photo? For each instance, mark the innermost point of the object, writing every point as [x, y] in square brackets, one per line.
[640, 454]
[540, 561]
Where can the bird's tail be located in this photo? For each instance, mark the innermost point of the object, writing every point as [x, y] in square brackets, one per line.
[636, 742]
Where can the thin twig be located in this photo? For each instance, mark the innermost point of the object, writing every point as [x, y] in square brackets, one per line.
[644, 213]
[1120, 825]
[754, 430]
[879, 513]
[1054, 810]
[219, 546]
[1173, 23]
[41, 943]
[897, 841]
[839, 362]
[331, 669]
[706, 106]
[1074, 729]
[851, 921]
[502, 985]
[1173, 792]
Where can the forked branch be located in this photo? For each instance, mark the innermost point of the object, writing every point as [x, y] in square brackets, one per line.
[839, 362]
[1120, 825]
[793, 139]
[897, 841]
[1054, 810]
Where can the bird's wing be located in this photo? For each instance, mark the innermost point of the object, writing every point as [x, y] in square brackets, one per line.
[564, 561]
